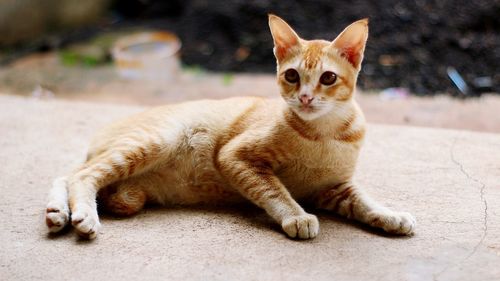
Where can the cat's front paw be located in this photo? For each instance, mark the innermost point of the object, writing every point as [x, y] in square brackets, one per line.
[303, 226]
[86, 222]
[401, 223]
[56, 216]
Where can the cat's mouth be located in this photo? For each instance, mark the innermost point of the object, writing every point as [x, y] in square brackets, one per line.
[310, 111]
[306, 108]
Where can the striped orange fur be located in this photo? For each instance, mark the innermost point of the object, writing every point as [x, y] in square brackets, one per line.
[274, 153]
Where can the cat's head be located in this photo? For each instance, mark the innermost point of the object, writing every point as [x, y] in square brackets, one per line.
[317, 76]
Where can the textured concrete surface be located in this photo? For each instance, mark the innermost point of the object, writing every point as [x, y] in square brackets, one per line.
[450, 180]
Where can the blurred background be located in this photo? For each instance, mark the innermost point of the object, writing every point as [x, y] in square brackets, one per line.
[427, 63]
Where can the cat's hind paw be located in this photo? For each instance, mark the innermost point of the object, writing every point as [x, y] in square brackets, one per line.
[85, 222]
[401, 223]
[56, 216]
[303, 226]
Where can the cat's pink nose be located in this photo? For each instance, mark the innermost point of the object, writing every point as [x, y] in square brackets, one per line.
[306, 99]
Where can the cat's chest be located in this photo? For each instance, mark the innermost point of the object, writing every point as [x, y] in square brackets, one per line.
[318, 164]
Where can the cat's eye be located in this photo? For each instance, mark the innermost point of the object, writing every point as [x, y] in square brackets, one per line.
[292, 76]
[328, 78]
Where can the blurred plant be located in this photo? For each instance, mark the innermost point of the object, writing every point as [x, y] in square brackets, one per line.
[194, 69]
[227, 79]
[91, 53]
[71, 58]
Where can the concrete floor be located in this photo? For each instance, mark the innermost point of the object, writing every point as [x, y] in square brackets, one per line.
[450, 180]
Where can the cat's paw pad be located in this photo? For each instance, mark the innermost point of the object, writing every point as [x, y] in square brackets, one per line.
[86, 223]
[56, 216]
[303, 226]
[401, 223]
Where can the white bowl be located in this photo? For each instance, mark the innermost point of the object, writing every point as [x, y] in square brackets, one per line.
[148, 55]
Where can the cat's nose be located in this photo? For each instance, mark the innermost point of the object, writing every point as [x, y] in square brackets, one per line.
[306, 99]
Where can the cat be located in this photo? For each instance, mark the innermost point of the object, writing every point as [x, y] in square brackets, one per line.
[271, 152]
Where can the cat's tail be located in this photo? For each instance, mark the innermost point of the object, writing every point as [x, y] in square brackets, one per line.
[57, 213]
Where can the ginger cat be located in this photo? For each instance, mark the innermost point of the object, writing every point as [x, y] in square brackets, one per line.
[271, 152]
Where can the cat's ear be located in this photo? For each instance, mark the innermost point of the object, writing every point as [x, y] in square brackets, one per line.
[351, 42]
[285, 39]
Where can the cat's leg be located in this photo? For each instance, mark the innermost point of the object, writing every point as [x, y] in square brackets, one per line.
[124, 199]
[266, 191]
[257, 183]
[101, 171]
[347, 200]
[57, 212]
